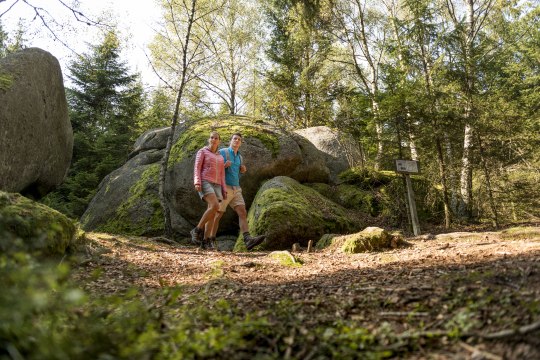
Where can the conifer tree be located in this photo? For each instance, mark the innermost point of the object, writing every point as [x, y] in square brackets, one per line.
[105, 101]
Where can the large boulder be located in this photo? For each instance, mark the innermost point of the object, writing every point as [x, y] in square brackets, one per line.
[26, 225]
[288, 212]
[127, 200]
[340, 150]
[36, 138]
[154, 139]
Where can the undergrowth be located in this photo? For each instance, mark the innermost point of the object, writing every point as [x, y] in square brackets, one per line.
[45, 314]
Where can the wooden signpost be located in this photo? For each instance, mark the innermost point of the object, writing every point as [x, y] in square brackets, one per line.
[408, 167]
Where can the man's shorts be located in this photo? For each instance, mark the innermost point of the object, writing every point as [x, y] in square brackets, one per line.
[234, 198]
[210, 188]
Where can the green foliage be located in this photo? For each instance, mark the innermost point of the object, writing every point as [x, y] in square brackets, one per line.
[159, 111]
[105, 102]
[382, 193]
[46, 316]
[11, 44]
[299, 85]
[366, 178]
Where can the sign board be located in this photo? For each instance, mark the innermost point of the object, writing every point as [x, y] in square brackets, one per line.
[407, 167]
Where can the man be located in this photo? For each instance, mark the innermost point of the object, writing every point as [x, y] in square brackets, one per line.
[233, 168]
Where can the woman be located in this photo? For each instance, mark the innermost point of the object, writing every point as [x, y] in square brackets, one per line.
[209, 181]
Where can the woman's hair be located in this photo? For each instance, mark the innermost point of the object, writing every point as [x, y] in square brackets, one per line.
[215, 133]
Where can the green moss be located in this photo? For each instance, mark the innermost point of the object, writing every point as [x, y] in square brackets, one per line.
[140, 193]
[521, 233]
[369, 239]
[289, 210]
[26, 225]
[285, 258]
[197, 133]
[366, 241]
[325, 241]
[367, 179]
[6, 80]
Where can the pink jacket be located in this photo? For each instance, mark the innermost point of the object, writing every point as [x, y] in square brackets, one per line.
[209, 166]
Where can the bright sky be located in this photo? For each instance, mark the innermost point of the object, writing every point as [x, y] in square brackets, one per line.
[136, 20]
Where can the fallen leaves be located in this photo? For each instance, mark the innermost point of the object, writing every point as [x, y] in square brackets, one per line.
[462, 279]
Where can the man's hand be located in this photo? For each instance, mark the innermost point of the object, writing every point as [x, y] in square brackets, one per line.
[243, 169]
[228, 163]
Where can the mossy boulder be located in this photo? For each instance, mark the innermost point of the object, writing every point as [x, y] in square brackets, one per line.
[383, 194]
[369, 239]
[288, 212]
[26, 225]
[127, 200]
[349, 196]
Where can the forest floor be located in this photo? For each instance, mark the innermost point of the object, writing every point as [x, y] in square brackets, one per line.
[459, 295]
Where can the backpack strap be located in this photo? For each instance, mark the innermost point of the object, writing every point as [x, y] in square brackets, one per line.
[229, 157]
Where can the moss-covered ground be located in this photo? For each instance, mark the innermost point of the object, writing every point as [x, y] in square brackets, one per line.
[455, 296]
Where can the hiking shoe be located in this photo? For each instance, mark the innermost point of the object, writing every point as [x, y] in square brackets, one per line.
[209, 244]
[252, 241]
[197, 236]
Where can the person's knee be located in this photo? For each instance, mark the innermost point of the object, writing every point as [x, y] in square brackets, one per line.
[214, 207]
[241, 210]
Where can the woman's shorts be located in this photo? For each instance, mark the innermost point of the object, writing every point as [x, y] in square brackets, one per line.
[210, 188]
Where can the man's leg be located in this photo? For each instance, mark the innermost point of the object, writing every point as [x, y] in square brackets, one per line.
[250, 241]
[242, 218]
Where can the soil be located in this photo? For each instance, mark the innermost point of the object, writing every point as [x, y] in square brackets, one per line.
[487, 284]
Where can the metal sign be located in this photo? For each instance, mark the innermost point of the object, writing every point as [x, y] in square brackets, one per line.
[407, 167]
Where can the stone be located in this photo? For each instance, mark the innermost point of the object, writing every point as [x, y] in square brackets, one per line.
[26, 225]
[370, 239]
[340, 150]
[288, 212]
[127, 200]
[36, 138]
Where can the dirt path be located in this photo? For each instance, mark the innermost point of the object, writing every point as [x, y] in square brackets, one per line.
[478, 282]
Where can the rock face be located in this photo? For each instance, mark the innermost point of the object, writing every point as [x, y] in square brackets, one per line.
[127, 199]
[341, 151]
[288, 212]
[36, 138]
[26, 225]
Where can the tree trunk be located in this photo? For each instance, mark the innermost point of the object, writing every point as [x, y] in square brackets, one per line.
[492, 206]
[442, 174]
[167, 153]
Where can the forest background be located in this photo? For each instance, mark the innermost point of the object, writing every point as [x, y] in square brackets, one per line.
[453, 84]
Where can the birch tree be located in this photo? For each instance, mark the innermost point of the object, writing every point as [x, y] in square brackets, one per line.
[360, 26]
[177, 68]
[468, 19]
[233, 41]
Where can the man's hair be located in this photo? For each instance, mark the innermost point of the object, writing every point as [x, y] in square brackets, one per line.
[237, 134]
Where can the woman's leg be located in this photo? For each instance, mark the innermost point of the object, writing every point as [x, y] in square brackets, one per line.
[208, 216]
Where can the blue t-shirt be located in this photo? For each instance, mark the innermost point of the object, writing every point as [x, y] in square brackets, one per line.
[232, 173]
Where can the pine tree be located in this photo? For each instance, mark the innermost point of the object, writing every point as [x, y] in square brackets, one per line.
[105, 102]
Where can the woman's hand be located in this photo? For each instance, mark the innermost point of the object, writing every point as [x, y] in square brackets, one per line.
[198, 187]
